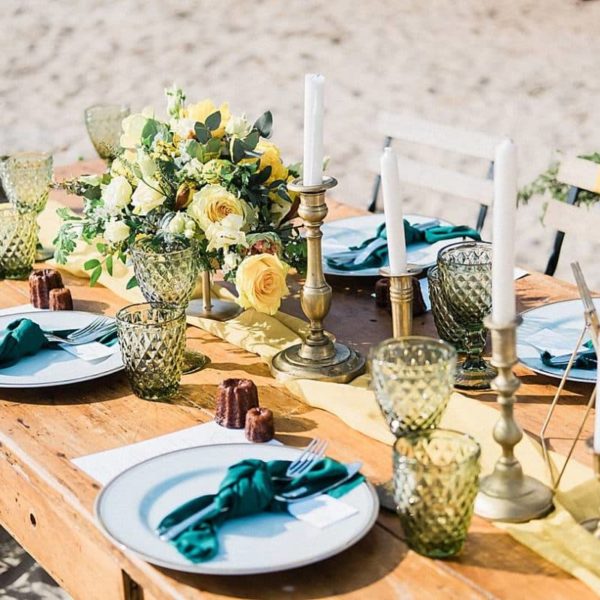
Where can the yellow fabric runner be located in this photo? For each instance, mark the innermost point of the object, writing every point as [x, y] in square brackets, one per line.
[558, 537]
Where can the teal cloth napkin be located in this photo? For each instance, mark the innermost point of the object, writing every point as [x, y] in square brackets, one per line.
[248, 488]
[586, 359]
[377, 257]
[23, 338]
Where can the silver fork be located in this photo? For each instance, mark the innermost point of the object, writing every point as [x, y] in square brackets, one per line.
[95, 330]
[300, 466]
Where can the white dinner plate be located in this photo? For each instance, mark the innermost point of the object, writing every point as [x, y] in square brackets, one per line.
[339, 235]
[52, 366]
[133, 503]
[564, 319]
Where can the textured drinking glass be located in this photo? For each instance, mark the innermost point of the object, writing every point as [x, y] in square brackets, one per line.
[26, 179]
[436, 478]
[18, 236]
[152, 339]
[103, 122]
[166, 270]
[413, 379]
[465, 271]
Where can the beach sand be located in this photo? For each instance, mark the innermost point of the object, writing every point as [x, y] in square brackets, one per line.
[527, 69]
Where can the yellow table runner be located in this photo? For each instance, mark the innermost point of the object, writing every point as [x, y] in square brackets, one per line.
[557, 537]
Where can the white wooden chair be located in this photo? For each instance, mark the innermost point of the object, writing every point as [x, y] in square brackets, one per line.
[567, 217]
[414, 130]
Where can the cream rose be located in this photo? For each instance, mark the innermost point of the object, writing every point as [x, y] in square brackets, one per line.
[227, 232]
[181, 224]
[147, 165]
[146, 198]
[116, 231]
[132, 126]
[201, 110]
[213, 203]
[260, 281]
[238, 126]
[116, 195]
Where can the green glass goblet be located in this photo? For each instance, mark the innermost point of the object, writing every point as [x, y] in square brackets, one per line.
[103, 123]
[436, 478]
[465, 272]
[26, 178]
[166, 269]
[18, 235]
[152, 340]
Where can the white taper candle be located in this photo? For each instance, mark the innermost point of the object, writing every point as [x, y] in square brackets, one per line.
[313, 129]
[503, 233]
[392, 206]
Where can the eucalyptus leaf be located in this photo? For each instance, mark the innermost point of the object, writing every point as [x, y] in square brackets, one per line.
[264, 124]
[251, 140]
[213, 121]
[202, 133]
[237, 150]
[213, 146]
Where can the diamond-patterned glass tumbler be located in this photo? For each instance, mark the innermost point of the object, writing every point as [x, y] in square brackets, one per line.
[26, 179]
[152, 339]
[18, 236]
[465, 272]
[436, 478]
[413, 379]
[103, 122]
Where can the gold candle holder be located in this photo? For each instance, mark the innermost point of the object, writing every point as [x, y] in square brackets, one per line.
[318, 356]
[209, 308]
[593, 524]
[508, 494]
[401, 299]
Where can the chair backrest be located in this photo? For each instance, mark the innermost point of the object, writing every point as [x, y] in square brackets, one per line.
[567, 217]
[408, 128]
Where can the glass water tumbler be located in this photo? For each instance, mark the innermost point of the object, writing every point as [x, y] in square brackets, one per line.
[413, 378]
[436, 479]
[152, 340]
[18, 237]
[27, 177]
[103, 122]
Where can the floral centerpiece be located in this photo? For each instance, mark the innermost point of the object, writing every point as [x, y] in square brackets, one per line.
[203, 174]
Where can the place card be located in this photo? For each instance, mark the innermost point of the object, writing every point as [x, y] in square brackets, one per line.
[90, 352]
[321, 511]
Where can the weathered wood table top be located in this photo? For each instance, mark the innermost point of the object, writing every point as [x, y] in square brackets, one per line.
[47, 503]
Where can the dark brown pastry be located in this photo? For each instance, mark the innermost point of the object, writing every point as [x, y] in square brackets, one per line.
[60, 299]
[259, 425]
[382, 296]
[41, 282]
[235, 397]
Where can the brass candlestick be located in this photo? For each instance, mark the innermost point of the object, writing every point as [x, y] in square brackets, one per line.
[401, 299]
[507, 494]
[318, 357]
[209, 308]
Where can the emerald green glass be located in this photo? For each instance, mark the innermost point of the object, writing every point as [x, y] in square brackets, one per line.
[413, 379]
[465, 271]
[103, 122]
[436, 479]
[18, 236]
[26, 179]
[152, 340]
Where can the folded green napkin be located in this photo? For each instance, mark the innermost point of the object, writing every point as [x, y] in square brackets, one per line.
[377, 257]
[248, 488]
[586, 359]
[21, 338]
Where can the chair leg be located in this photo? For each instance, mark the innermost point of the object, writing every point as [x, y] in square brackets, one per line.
[560, 235]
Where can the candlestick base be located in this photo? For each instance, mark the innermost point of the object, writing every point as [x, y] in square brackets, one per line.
[342, 366]
[220, 310]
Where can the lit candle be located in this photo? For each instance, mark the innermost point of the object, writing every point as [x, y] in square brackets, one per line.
[503, 234]
[313, 129]
[392, 206]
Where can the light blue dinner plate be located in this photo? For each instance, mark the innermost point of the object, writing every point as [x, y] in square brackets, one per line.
[564, 319]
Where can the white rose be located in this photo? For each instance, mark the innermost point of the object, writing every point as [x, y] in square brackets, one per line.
[182, 127]
[147, 165]
[146, 198]
[132, 126]
[116, 231]
[225, 233]
[116, 195]
[181, 224]
[230, 261]
[238, 126]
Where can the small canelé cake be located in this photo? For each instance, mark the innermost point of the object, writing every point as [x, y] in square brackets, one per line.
[259, 425]
[60, 299]
[40, 284]
[235, 397]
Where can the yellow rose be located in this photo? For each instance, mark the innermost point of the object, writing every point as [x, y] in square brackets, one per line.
[271, 157]
[213, 203]
[260, 282]
[199, 111]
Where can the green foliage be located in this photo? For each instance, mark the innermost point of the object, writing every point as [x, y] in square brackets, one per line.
[264, 124]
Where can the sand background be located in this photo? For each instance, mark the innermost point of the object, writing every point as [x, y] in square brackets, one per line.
[523, 68]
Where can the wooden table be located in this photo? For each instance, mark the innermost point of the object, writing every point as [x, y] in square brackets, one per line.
[46, 503]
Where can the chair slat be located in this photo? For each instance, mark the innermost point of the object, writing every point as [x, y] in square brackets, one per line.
[420, 131]
[580, 173]
[570, 219]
